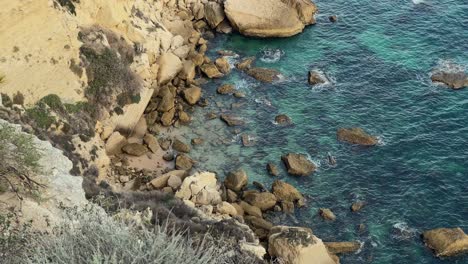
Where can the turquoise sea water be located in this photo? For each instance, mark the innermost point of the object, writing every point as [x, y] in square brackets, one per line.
[379, 57]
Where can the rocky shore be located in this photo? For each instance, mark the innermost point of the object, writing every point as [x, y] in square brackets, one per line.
[138, 74]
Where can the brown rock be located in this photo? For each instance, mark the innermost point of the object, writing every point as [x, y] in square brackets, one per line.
[184, 118]
[454, 80]
[231, 196]
[180, 146]
[151, 142]
[287, 207]
[214, 14]
[327, 214]
[316, 77]
[114, 143]
[264, 200]
[283, 120]
[446, 242]
[272, 169]
[226, 89]
[264, 74]
[236, 180]
[211, 71]
[357, 206]
[298, 164]
[250, 209]
[356, 135]
[232, 120]
[223, 65]
[258, 222]
[247, 140]
[239, 209]
[184, 162]
[286, 192]
[245, 64]
[167, 103]
[226, 208]
[224, 27]
[192, 95]
[167, 117]
[342, 247]
[197, 141]
[333, 18]
[135, 149]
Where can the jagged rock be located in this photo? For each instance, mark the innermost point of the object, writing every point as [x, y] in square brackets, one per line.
[316, 77]
[283, 120]
[198, 59]
[245, 64]
[167, 117]
[197, 141]
[297, 245]
[182, 51]
[286, 192]
[188, 71]
[232, 120]
[167, 102]
[259, 186]
[192, 95]
[270, 18]
[162, 181]
[226, 208]
[151, 142]
[106, 132]
[264, 74]
[169, 66]
[250, 209]
[214, 14]
[201, 188]
[454, 80]
[247, 140]
[223, 65]
[287, 207]
[231, 196]
[180, 146]
[357, 206]
[174, 182]
[236, 180]
[115, 143]
[298, 164]
[224, 27]
[272, 169]
[327, 214]
[264, 200]
[226, 89]
[333, 18]
[135, 149]
[342, 247]
[446, 242]
[258, 222]
[356, 135]
[211, 71]
[184, 162]
[184, 118]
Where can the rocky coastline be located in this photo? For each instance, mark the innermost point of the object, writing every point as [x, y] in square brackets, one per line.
[124, 140]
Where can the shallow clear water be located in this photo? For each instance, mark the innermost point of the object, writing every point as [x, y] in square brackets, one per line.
[379, 56]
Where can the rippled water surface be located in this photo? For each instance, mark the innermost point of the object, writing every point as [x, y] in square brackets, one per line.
[379, 57]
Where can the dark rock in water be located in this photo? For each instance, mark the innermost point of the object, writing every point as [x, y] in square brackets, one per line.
[184, 162]
[226, 89]
[264, 74]
[283, 120]
[298, 164]
[333, 18]
[197, 141]
[342, 247]
[247, 140]
[232, 120]
[226, 53]
[287, 207]
[357, 206]
[327, 214]
[331, 159]
[263, 200]
[316, 77]
[272, 169]
[236, 180]
[259, 186]
[286, 192]
[203, 102]
[356, 135]
[168, 156]
[446, 242]
[239, 94]
[454, 80]
[245, 64]
[211, 71]
[135, 149]
[180, 146]
[211, 116]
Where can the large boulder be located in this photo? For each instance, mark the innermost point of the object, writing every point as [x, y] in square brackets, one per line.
[200, 188]
[270, 18]
[264, 74]
[297, 245]
[223, 65]
[263, 200]
[446, 242]
[298, 164]
[169, 66]
[211, 71]
[180, 146]
[286, 192]
[226, 89]
[114, 143]
[454, 80]
[317, 77]
[135, 149]
[250, 209]
[184, 162]
[356, 135]
[236, 180]
[192, 95]
[214, 14]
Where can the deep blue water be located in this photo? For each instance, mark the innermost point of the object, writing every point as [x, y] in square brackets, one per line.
[379, 56]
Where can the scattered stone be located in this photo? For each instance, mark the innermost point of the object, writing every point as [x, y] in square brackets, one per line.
[226, 208]
[165, 143]
[239, 94]
[201, 188]
[214, 14]
[286, 192]
[333, 18]
[192, 95]
[223, 65]
[250, 209]
[106, 132]
[162, 180]
[297, 245]
[232, 120]
[226, 89]
[135, 149]
[174, 182]
[259, 186]
[264, 200]
[287, 207]
[356, 135]
[211, 116]
[327, 214]
[245, 64]
[264, 74]
[184, 162]
[298, 164]
[224, 27]
[197, 141]
[454, 80]
[180, 146]
[240, 211]
[342, 247]
[168, 156]
[167, 117]
[247, 140]
[272, 169]
[236, 180]
[169, 66]
[151, 142]
[211, 71]
[167, 190]
[114, 143]
[258, 222]
[316, 77]
[124, 179]
[184, 118]
[283, 120]
[357, 206]
[446, 242]
[231, 196]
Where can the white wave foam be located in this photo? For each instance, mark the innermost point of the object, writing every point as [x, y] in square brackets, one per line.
[263, 101]
[271, 55]
[329, 80]
[445, 65]
[402, 231]
[417, 2]
[381, 141]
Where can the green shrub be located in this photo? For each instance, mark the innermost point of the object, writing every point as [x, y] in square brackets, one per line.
[18, 98]
[41, 116]
[53, 101]
[13, 238]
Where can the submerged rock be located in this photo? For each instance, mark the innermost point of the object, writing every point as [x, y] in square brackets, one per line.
[297, 245]
[236, 180]
[298, 164]
[342, 247]
[232, 120]
[245, 64]
[357, 206]
[283, 120]
[264, 74]
[316, 77]
[446, 242]
[454, 80]
[270, 18]
[226, 89]
[356, 135]
[285, 191]
[184, 162]
[327, 214]
[180, 146]
[272, 169]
